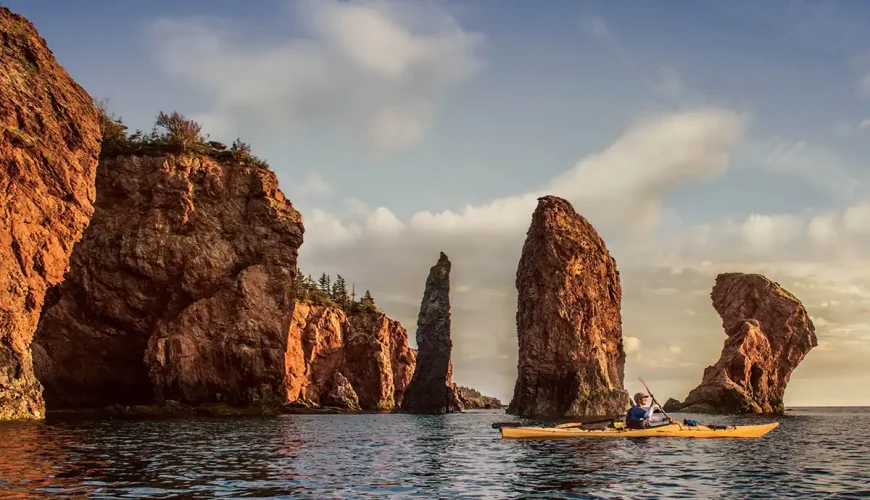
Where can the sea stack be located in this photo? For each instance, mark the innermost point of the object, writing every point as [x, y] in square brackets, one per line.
[571, 357]
[769, 334]
[49, 143]
[431, 389]
[182, 286]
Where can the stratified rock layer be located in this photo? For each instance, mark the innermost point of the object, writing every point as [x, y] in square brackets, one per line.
[181, 288]
[49, 143]
[769, 334]
[368, 349]
[571, 356]
[431, 390]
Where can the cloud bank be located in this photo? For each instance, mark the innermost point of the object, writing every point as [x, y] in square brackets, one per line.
[375, 68]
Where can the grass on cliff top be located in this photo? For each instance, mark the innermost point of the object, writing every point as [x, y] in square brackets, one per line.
[777, 287]
[172, 134]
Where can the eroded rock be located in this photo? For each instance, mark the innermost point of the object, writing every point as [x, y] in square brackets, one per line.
[769, 334]
[431, 389]
[341, 394]
[181, 288]
[49, 143]
[571, 357]
[369, 350]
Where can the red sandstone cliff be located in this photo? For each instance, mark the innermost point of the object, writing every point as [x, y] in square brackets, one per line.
[181, 287]
[571, 357]
[366, 348]
[769, 334]
[49, 142]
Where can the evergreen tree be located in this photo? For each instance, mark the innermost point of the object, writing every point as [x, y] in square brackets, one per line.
[324, 284]
[339, 291]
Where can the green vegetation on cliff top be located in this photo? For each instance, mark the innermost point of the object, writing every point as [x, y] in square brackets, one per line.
[324, 291]
[171, 134]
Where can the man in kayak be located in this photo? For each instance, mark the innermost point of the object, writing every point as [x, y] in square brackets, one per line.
[639, 417]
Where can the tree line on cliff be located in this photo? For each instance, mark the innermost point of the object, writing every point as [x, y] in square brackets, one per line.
[325, 291]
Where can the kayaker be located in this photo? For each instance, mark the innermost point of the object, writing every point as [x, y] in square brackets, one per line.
[639, 417]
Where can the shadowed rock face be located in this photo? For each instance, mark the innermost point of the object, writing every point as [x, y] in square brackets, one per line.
[368, 349]
[571, 356]
[431, 390]
[180, 289]
[769, 334]
[49, 143]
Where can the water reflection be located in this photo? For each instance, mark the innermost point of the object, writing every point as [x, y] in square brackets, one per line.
[447, 456]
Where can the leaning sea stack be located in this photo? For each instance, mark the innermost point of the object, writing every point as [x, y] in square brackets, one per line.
[49, 143]
[431, 390]
[571, 356]
[181, 288]
[769, 334]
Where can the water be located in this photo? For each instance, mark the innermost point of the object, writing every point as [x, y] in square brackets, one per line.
[815, 453]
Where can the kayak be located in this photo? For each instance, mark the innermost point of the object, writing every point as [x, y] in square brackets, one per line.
[671, 430]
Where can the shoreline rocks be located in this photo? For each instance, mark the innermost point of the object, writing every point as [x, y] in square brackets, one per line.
[571, 356]
[769, 334]
[431, 389]
[471, 399]
[49, 144]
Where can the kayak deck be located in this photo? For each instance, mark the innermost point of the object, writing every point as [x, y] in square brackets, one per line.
[672, 430]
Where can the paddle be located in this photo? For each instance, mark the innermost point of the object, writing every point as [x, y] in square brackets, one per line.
[654, 398]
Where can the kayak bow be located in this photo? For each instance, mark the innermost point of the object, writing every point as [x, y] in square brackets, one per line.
[672, 430]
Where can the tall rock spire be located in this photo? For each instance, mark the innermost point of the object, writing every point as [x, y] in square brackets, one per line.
[571, 357]
[431, 389]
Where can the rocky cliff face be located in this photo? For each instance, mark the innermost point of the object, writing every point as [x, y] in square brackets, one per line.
[769, 334]
[49, 143]
[180, 289]
[363, 356]
[571, 357]
[431, 390]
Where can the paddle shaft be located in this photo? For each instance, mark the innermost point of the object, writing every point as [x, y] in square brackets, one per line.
[654, 399]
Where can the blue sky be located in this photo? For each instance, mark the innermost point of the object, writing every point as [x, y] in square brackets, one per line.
[497, 99]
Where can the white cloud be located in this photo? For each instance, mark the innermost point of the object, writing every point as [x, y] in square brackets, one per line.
[823, 229]
[675, 349]
[382, 222]
[864, 124]
[631, 344]
[388, 63]
[313, 185]
[768, 232]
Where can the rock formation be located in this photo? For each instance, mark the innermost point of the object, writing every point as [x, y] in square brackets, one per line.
[181, 288]
[769, 333]
[431, 390]
[571, 356]
[49, 143]
[365, 347]
[472, 399]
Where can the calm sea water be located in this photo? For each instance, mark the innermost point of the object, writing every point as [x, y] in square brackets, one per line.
[815, 453]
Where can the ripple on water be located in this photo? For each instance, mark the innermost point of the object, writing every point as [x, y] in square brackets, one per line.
[814, 453]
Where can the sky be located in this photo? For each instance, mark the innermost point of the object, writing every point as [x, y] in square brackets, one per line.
[698, 137]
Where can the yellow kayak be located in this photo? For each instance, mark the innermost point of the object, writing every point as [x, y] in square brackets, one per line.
[671, 430]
